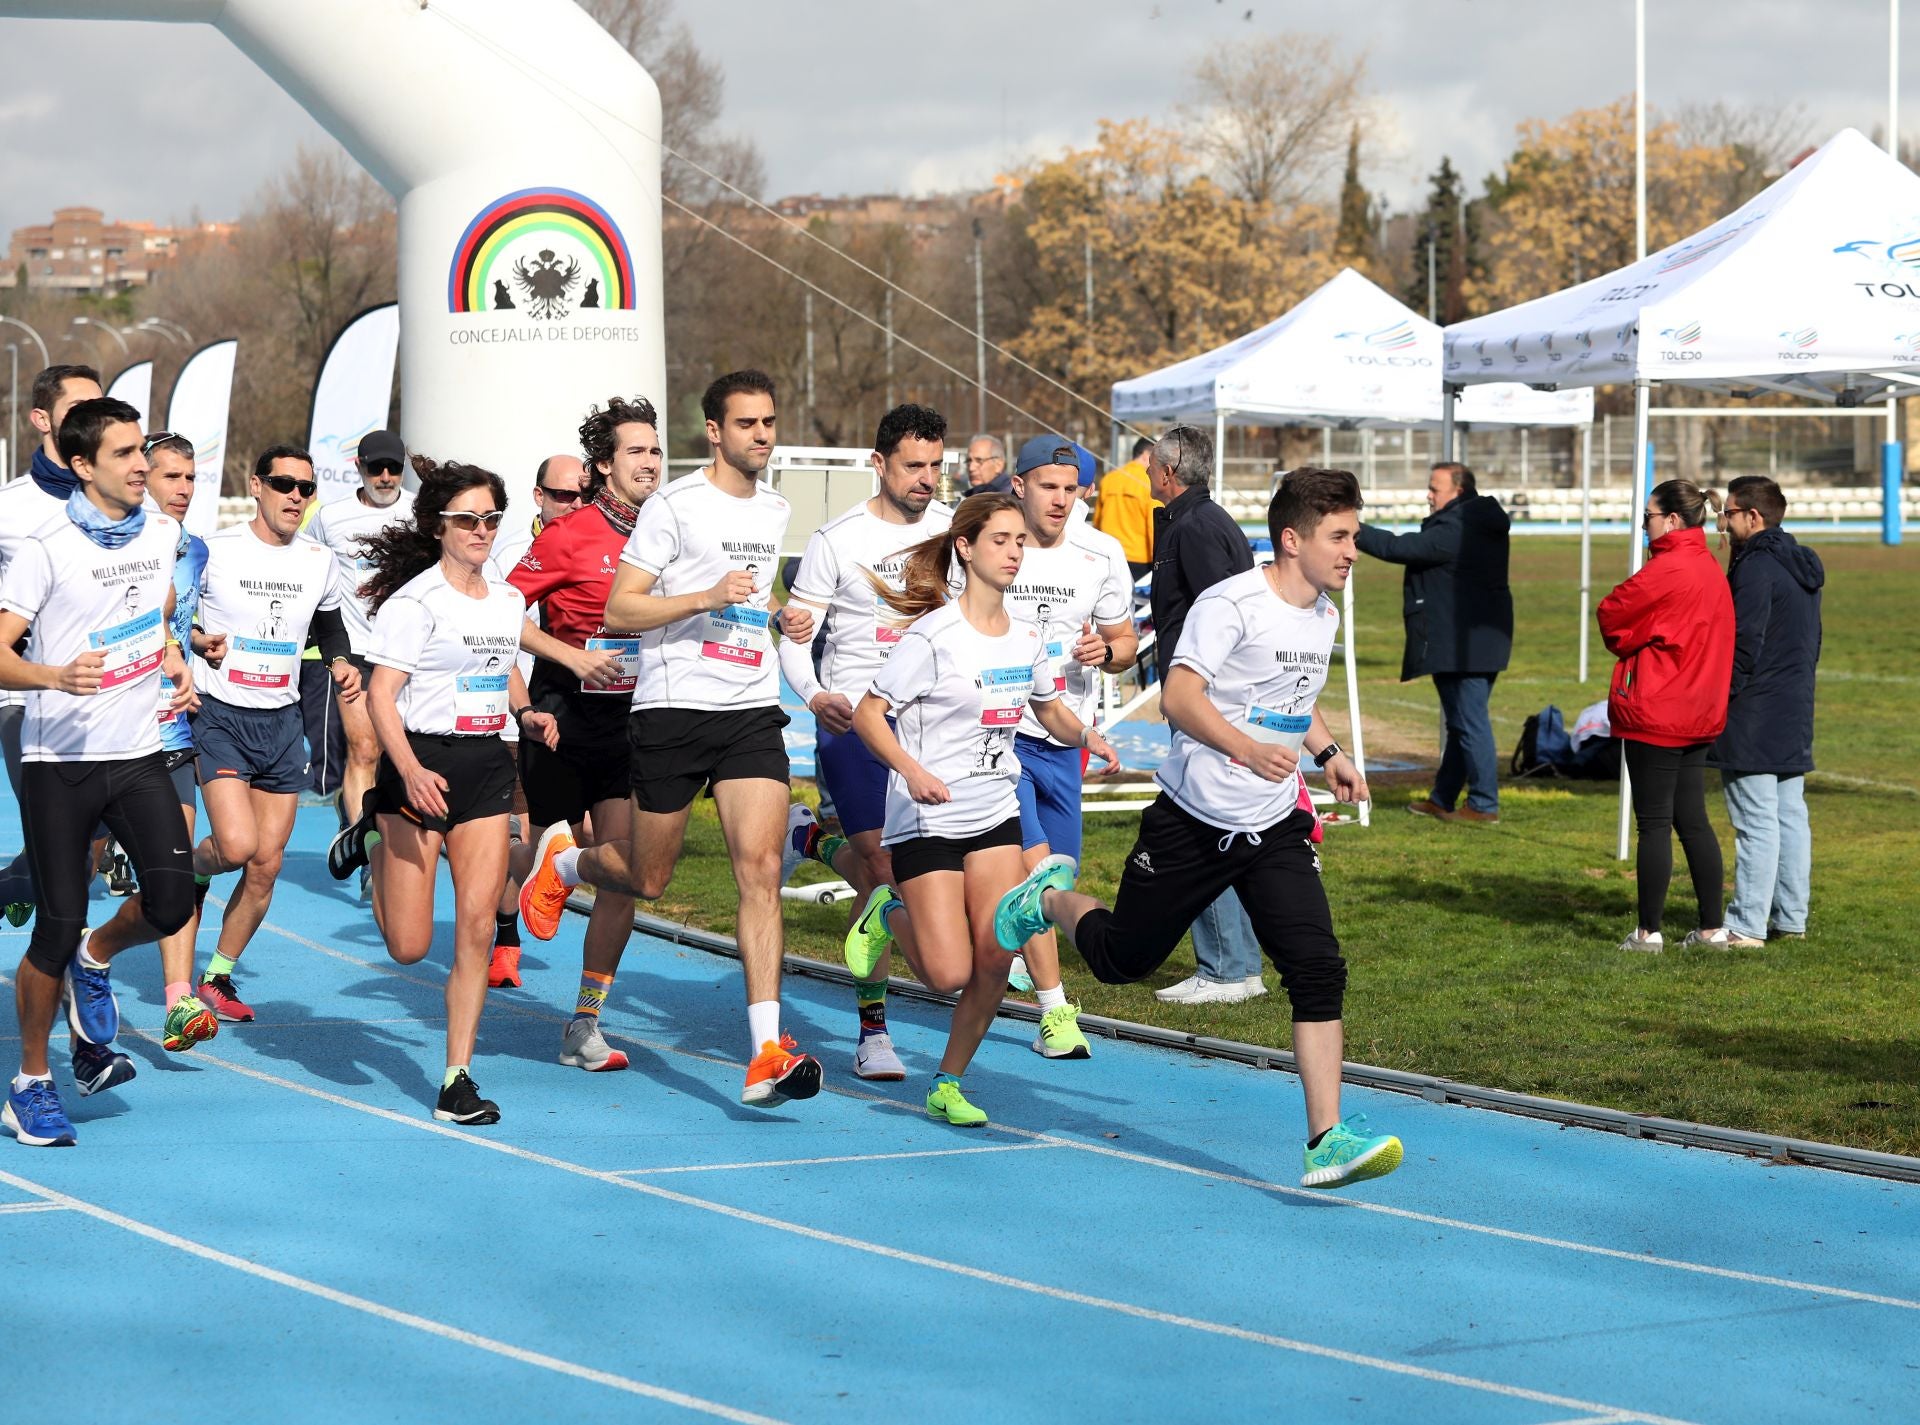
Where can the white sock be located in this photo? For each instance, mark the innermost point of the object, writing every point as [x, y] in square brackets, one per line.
[763, 1023]
[23, 1078]
[1050, 999]
[87, 962]
[567, 865]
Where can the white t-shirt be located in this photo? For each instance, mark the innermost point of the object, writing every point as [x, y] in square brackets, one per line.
[262, 597]
[456, 651]
[1081, 579]
[688, 536]
[341, 526]
[80, 598]
[958, 696]
[1264, 662]
[861, 628]
[24, 507]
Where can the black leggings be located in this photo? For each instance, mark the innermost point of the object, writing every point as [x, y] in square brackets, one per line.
[1179, 867]
[63, 802]
[1669, 795]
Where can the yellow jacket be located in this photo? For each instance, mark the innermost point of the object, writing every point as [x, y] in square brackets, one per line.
[1125, 510]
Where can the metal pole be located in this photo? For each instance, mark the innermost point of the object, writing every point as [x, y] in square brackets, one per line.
[807, 427]
[1639, 129]
[1523, 455]
[887, 315]
[1642, 482]
[1433, 296]
[979, 328]
[45, 360]
[1220, 456]
[1326, 445]
[13, 412]
[1586, 539]
[1892, 457]
[1359, 741]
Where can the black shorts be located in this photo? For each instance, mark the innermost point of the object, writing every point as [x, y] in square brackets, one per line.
[264, 747]
[587, 768]
[677, 751]
[918, 855]
[478, 771]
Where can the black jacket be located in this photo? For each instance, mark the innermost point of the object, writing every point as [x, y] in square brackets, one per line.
[1776, 643]
[1196, 544]
[1457, 606]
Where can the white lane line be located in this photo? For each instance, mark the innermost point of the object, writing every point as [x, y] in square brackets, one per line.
[1121, 1308]
[848, 1158]
[430, 1327]
[1355, 1204]
[11, 1208]
[1591, 1420]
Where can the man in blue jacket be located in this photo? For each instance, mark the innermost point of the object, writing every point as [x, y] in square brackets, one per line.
[1458, 611]
[1767, 749]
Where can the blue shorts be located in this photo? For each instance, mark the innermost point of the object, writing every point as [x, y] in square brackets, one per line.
[1049, 796]
[854, 778]
[264, 747]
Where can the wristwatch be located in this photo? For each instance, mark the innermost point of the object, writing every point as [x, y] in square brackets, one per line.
[1107, 662]
[1326, 754]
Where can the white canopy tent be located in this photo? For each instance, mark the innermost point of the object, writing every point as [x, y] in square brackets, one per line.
[1811, 288]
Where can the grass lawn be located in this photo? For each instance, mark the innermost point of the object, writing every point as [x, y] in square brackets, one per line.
[1487, 954]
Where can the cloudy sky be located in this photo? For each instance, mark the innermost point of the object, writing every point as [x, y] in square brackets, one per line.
[850, 96]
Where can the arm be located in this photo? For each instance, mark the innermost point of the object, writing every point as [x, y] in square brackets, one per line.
[80, 677]
[1439, 544]
[1626, 615]
[632, 608]
[329, 630]
[1058, 719]
[1752, 609]
[1091, 647]
[426, 791]
[870, 721]
[831, 710]
[597, 668]
[540, 725]
[1186, 705]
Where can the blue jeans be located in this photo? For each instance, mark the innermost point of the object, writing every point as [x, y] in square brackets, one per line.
[1773, 853]
[1223, 945]
[1469, 758]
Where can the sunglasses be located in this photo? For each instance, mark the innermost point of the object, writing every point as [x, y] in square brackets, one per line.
[466, 521]
[383, 467]
[287, 485]
[161, 437]
[560, 497]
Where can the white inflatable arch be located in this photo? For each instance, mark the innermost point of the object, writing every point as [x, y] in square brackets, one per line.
[522, 145]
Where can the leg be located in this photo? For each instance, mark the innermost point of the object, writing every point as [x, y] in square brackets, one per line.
[273, 820]
[1652, 771]
[60, 812]
[990, 874]
[642, 865]
[477, 855]
[1478, 752]
[943, 955]
[611, 923]
[1451, 774]
[363, 757]
[1697, 839]
[406, 862]
[232, 836]
[1224, 948]
[753, 819]
[1793, 889]
[16, 878]
[1753, 808]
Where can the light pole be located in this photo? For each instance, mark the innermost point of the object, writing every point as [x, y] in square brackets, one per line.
[110, 330]
[979, 331]
[45, 360]
[157, 327]
[13, 411]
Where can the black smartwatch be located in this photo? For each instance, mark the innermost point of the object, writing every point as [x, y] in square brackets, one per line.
[1325, 755]
[1107, 662]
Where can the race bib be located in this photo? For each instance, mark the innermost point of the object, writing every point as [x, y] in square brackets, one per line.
[1003, 695]
[261, 663]
[133, 648]
[1057, 661]
[886, 628]
[1289, 729]
[626, 652]
[480, 702]
[736, 634]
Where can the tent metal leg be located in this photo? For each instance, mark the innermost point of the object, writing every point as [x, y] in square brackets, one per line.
[1359, 748]
[1449, 393]
[1220, 456]
[1641, 484]
[1586, 541]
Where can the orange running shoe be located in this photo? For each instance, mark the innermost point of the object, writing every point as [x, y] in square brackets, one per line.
[503, 970]
[780, 1072]
[543, 898]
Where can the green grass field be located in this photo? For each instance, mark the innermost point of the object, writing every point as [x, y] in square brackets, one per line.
[1487, 954]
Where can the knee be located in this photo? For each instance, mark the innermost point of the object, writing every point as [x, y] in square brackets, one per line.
[878, 867]
[363, 747]
[947, 980]
[649, 885]
[55, 942]
[1316, 988]
[757, 874]
[265, 863]
[169, 905]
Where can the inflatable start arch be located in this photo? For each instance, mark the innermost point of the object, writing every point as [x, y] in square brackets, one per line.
[529, 197]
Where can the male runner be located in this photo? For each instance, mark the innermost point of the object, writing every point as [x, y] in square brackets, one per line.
[91, 744]
[24, 506]
[1252, 659]
[706, 711]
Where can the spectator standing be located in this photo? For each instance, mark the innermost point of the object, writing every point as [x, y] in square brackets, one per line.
[1671, 626]
[1458, 610]
[987, 467]
[1766, 751]
[1125, 509]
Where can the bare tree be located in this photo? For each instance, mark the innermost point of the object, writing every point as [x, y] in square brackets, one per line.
[1761, 139]
[1273, 116]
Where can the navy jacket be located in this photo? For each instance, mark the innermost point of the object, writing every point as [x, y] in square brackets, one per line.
[1196, 544]
[1456, 603]
[1776, 643]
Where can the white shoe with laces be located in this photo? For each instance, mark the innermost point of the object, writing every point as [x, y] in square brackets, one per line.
[874, 1060]
[1196, 989]
[1644, 944]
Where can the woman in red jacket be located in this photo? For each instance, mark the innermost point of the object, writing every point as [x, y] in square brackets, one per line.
[1671, 627]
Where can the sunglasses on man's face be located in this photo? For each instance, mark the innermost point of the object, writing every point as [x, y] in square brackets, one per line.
[383, 467]
[466, 521]
[560, 497]
[287, 485]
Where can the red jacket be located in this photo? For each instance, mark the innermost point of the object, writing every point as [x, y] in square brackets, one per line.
[1671, 627]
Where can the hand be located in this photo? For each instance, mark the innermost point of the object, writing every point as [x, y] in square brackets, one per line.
[927, 789]
[211, 646]
[1272, 761]
[174, 666]
[1345, 779]
[81, 678]
[735, 587]
[595, 669]
[1090, 648]
[542, 727]
[426, 791]
[1098, 745]
[346, 678]
[796, 622]
[832, 711]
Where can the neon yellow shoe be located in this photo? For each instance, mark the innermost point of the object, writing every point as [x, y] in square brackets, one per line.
[944, 1100]
[189, 1022]
[1060, 1035]
[870, 936]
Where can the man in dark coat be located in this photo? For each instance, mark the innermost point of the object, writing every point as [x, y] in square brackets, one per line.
[1767, 749]
[1459, 616]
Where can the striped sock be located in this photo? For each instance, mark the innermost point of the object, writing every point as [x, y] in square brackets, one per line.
[593, 993]
[825, 848]
[871, 996]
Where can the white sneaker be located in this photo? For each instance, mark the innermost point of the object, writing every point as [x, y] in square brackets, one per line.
[874, 1060]
[1018, 980]
[793, 850]
[1644, 944]
[1197, 990]
[582, 1046]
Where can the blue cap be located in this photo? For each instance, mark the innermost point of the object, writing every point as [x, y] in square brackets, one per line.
[1046, 450]
[1089, 465]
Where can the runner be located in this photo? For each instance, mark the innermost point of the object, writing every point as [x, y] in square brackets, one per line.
[1074, 584]
[25, 505]
[91, 745]
[842, 559]
[1252, 659]
[444, 685]
[586, 680]
[344, 526]
[706, 712]
[958, 683]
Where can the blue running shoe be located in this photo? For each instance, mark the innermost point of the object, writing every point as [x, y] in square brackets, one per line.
[1018, 917]
[1349, 1153]
[34, 1116]
[93, 1014]
[96, 1067]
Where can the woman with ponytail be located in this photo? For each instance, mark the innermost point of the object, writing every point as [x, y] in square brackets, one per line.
[444, 686]
[956, 685]
[1671, 627]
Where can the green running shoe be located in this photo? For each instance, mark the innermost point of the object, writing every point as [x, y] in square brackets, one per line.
[189, 1022]
[18, 913]
[1348, 1153]
[870, 936]
[944, 1100]
[1018, 917]
[1060, 1036]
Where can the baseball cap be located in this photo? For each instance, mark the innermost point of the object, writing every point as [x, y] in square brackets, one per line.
[1046, 450]
[382, 445]
[1089, 463]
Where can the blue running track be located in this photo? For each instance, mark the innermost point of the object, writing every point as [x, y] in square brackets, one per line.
[273, 1228]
